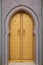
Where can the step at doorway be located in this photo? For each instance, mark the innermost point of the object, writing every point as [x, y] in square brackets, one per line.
[24, 63]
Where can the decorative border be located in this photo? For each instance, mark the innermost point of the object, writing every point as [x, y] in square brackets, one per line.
[6, 32]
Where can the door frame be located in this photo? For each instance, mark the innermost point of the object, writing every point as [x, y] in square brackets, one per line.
[6, 31]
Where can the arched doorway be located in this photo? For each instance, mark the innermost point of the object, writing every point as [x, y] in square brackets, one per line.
[21, 38]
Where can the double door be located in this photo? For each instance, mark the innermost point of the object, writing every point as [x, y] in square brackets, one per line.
[21, 38]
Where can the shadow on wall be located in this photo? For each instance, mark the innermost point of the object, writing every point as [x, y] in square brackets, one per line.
[0, 32]
[42, 32]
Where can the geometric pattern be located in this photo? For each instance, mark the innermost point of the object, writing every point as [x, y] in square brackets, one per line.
[21, 38]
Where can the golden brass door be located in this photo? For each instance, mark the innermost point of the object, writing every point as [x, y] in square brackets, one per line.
[21, 39]
[28, 41]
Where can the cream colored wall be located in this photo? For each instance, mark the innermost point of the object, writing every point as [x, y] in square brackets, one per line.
[8, 4]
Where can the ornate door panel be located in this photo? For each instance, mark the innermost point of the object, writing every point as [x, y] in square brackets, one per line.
[21, 38]
[15, 37]
[28, 41]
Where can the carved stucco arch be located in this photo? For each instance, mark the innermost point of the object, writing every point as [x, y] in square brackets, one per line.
[6, 27]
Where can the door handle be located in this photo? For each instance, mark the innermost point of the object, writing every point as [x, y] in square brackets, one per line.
[23, 32]
[18, 32]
